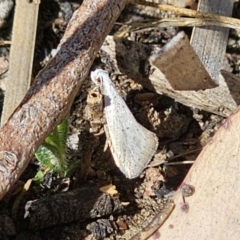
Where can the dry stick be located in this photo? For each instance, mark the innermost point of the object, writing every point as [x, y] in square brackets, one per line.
[179, 22]
[194, 22]
[48, 101]
[224, 21]
[2, 42]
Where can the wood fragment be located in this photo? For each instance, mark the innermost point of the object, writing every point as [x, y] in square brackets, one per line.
[210, 42]
[222, 100]
[49, 99]
[179, 63]
[21, 56]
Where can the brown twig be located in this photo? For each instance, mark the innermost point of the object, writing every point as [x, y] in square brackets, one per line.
[178, 22]
[49, 99]
[2, 42]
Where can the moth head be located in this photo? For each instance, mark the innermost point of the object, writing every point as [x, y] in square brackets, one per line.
[97, 78]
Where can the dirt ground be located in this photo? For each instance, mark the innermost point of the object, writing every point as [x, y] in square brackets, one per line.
[76, 207]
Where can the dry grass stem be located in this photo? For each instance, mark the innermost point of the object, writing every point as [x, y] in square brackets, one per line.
[196, 18]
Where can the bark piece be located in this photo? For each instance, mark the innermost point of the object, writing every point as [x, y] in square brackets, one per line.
[210, 42]
[79, 204]
[49, 99]
[181, 66]
[222, 100]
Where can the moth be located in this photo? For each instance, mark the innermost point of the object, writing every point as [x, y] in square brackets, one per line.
[132, 145]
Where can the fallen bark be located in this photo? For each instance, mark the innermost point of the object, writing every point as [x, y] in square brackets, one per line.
[49, 99]
[77, 205]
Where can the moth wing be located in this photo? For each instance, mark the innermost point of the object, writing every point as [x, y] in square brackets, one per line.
[131, 144]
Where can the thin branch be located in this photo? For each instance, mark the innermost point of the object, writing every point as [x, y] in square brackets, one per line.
[49, 100]
[178, 22]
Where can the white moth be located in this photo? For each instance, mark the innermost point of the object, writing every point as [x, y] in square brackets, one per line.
[131, 144]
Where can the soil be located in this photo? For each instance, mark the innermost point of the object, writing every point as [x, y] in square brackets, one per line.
[76, 207]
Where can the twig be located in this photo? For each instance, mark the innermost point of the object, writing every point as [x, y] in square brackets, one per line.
[49, 100]
[179, 163]
[195, 22]
[183, 154]
[179, 22]
[3, 42]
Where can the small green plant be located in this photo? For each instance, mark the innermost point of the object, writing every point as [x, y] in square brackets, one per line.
[52, 153]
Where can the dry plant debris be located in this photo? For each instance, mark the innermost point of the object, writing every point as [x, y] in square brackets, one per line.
[180, 129]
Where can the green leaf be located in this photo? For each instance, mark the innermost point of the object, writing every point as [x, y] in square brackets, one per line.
[38, 177]
[52, 153]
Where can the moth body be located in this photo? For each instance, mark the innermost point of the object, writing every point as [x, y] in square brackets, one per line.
[131, 144]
